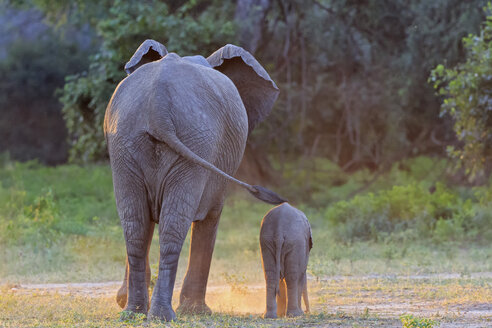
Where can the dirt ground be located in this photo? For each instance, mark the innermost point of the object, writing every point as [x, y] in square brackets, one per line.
[452, 300]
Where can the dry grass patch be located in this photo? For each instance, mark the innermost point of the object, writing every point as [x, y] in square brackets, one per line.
[349, 302]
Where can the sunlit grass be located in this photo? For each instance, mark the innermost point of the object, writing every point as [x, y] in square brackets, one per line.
[357, 302]
[94, 257]
[358, 283]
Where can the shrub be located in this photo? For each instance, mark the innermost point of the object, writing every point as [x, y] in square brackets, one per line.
[40, 205]
[397, 209]
[34, 223]
[467, 92]
[319, 181]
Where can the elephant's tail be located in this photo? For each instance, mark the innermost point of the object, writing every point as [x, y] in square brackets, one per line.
[259, 192]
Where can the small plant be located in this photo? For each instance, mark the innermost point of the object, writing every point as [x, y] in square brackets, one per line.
[236, 282]
[390, 253]
[410, 321]
[132, 318]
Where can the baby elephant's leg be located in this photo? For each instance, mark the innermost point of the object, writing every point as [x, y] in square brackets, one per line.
[294, 277]
[271, 277]
[294, 290]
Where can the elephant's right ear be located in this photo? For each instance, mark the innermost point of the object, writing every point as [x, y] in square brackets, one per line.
[149, 51]
[256, 88]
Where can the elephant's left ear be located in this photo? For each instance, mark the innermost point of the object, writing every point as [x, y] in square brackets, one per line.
[256, 88]
[149, 51]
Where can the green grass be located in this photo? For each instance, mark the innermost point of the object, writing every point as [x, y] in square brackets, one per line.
[59, 224]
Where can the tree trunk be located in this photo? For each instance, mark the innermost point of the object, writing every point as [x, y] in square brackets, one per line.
[250, 17]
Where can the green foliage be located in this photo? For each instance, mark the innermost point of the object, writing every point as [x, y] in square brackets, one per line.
[188, 29]
[31, 125]
[414, 199]
[40, 205]
[354, 91]
[60, 224]
[467, 92]
[399, 208]
[35, 223]
[319, 181]
[441, 215]
[410, 321]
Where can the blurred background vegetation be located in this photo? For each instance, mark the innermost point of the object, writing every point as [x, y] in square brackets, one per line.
[381, 133]
[354, 75]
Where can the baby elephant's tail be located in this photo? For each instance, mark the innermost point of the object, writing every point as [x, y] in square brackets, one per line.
[305, 294]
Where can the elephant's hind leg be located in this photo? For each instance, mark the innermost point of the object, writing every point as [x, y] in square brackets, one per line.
[172, 233]
[272, 276]
[203, 234]
[131, 200]
[122, 294]
[178, 210]
[294, 278]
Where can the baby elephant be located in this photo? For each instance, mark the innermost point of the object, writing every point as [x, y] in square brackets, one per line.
[285, 242]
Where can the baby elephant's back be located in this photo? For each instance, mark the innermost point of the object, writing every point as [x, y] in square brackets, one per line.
[285, 223]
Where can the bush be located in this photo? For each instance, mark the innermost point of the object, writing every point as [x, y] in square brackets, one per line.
[34, 223]
[319, 181]
[467, 92]
[40, 205]
[441, 214]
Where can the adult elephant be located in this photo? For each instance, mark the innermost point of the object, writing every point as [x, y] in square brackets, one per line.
[176, 129]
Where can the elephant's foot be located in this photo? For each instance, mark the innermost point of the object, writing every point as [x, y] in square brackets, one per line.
[270, 315]
[194, 307]
[161, 312]
[121, 297]
[295, 313]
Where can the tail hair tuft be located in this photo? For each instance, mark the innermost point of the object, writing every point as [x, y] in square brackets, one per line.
[266, 195]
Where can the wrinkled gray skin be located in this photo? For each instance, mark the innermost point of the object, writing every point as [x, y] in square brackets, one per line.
[285, 242]
[176, 130]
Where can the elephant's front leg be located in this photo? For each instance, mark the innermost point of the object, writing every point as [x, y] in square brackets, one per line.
[172, 233]
[203, 234]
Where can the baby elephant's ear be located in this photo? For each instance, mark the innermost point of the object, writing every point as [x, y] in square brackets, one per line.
[149, 51]
[256, 88]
